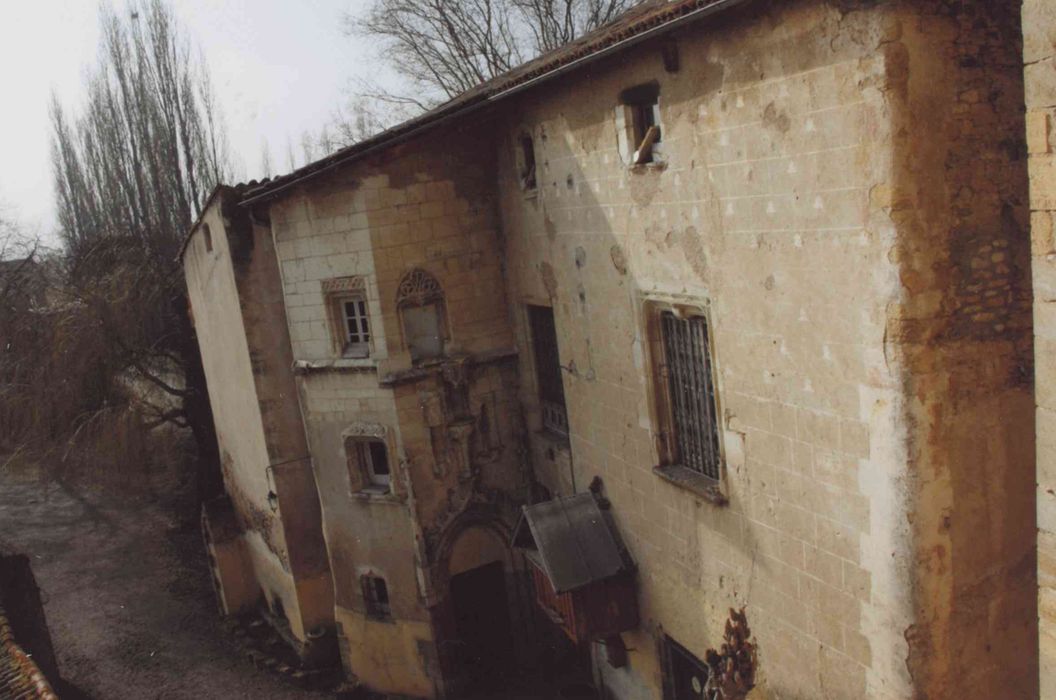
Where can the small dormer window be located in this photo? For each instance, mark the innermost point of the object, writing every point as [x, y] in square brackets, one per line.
[526, 162]
[207, 236]
[638, 119]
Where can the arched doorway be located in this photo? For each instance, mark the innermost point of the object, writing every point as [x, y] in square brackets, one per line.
[479, 608]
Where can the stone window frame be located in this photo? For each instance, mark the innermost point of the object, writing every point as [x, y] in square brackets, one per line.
[336, 293]
[361, 480]
[661, 401]
[420, 288]
[632, 125]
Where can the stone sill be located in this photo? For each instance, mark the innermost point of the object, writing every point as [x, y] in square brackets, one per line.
[657, 166]
[435, 366]
[376, 496]
[341, 364]
[556, 440]
[703, 486]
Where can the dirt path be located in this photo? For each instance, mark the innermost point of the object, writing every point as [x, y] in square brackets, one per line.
[127, 596]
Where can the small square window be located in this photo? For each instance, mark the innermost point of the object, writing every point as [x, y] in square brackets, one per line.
[376, 597]
[368, 465]
[349, 315]
[640, 128]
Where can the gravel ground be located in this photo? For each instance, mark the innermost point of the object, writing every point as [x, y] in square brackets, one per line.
[127, 594]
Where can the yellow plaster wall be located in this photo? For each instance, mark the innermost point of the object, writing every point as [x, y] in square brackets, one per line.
[388, 656]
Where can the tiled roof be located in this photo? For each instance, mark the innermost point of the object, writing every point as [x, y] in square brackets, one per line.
[20, 679]
[646, 19]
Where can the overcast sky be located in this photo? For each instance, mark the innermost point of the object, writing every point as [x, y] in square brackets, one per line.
[280, 67]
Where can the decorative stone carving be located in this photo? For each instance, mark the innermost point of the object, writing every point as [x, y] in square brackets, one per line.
[432, 405]
[417, 288]
[341, 285]
[460, 434]
[365, 429]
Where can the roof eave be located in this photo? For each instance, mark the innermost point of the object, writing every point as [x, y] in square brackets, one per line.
[460, 110]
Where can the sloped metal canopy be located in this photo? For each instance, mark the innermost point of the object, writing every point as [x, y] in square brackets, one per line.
[574, 541]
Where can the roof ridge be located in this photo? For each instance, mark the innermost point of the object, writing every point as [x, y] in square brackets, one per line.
[635, 24]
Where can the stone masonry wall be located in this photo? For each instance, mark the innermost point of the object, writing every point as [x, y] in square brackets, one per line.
[770, 211]
[264, 317]
[428, 205]
[319, 236]
[962, 334]
[1039, 53]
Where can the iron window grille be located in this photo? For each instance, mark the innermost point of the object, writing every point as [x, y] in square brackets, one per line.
[641, 105]
[690, 379]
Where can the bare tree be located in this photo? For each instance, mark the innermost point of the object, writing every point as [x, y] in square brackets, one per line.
[553, 23]
[362, 116]
[444, 47]
[132, 170]
[265, 159]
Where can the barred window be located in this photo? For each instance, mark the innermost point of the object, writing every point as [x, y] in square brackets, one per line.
[694, 423]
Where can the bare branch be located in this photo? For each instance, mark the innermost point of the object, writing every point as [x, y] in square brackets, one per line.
[442, 48]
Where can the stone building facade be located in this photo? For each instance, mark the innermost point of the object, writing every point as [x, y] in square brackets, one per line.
[758, 273]
[1039, 55]
[265, 539]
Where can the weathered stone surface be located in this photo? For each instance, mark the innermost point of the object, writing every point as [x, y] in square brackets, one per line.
[841, 192]
[1039, 47]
